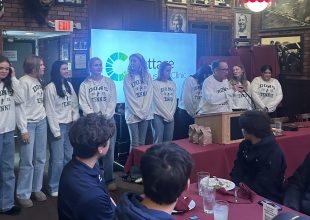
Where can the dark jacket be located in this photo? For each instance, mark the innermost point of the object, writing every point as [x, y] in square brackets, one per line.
[297, 195]
[130, 208]
[261, 166]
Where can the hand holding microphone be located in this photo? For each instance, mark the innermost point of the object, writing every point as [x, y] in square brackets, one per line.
[238, 87]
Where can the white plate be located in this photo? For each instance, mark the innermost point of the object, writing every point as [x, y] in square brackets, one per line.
[191, 205]
[226, 184]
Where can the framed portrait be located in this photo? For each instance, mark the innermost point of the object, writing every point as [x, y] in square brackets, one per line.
[222, 3]
[286, 14]
[200, 2]
[289, 50]
[78, 3]
[176, 19]
[242, 25]
[80, 61]
[177, 1]
[239, 4]
[80, 44]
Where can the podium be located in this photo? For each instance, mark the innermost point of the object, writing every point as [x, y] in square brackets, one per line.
[224, 126]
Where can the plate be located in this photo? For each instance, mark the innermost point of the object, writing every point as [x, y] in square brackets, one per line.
[226, 184]
[191, 205]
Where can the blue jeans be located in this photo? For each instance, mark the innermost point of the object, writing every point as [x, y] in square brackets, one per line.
[60, 154]
[7, 177]
[137, 133]
[32, 160]
[162, 130]
[108, 159]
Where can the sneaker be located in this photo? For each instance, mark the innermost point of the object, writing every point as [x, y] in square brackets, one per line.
[54, 194]
[15, 210]
[25, 203]
[112, 186]
[38, 196]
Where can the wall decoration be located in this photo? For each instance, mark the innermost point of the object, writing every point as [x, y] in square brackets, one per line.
[287, 14]
[200, 2]
[176, 19]
[177, 1]
[80, 44]
[80, 61]
[78, 3]
[289, 52]
[223, 3]
[64, 52]
[242, 25]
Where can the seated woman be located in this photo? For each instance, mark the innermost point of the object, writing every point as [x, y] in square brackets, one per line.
[260, 162]
[297, 195]
[266, 91]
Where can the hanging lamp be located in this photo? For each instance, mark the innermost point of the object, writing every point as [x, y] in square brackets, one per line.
[256, 5]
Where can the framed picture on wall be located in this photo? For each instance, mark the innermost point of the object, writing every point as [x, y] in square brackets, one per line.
[80, 44]
[78, 3]
[200, 2]
[242, 25]
[223, 3]
[64, 52]
[80, 61]
[177, 1]
[289, 50]
[176, 19]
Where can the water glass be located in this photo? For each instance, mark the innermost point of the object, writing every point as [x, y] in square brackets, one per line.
[208, 195]
[220, 210]
[202, 181]
[278, 127]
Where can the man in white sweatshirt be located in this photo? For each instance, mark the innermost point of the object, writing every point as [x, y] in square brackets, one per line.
[216, 95]
[98, 94]
[266, 91]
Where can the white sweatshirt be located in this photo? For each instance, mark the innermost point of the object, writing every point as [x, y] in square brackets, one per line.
[240, 100]
[138, 98]
[98, 96]
[216, 96]
[165, 100]
[60, 110]
[190, 96]
[32, 108]
[266, 93]
[7, 106]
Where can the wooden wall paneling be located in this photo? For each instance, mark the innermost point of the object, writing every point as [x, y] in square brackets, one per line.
[220, 39]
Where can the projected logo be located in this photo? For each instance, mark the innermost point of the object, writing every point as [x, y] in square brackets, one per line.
[116, 66]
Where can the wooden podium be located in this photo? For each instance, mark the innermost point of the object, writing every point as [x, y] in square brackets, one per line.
[224, 126]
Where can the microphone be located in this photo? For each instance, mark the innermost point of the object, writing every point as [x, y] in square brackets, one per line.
[247, 95]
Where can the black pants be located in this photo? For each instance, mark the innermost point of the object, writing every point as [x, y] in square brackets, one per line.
[181, 124]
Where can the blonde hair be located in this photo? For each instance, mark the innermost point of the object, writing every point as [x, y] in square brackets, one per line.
[243, 80]
[143, 66]
[32, 64]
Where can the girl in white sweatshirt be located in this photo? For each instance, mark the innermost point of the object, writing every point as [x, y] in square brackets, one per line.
[62, 109]
[98, 94]
[31, 121]
[266, 91]
[138, 91]
[164, 105]
[10, 95]
[241, 97]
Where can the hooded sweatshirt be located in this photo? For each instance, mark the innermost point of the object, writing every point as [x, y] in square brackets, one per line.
[131, 208]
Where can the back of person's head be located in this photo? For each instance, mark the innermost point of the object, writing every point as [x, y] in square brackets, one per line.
[202, 73]
[263, 68]
[32, 64]
[165, 170]
[256, 123]
[290, 216]
[90, 132]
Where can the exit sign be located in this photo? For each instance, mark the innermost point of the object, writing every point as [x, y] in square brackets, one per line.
[63, 25]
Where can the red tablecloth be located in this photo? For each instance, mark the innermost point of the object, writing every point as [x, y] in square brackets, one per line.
[218, 159]
[251, 211]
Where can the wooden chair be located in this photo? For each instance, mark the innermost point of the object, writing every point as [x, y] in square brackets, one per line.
[303, 117]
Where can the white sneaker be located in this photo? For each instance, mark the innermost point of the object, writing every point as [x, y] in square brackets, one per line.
[54, 194]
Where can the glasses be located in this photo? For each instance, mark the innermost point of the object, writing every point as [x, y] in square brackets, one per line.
[267, 72]
[226, 70]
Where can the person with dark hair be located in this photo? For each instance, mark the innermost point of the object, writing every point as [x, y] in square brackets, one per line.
[260, 162]
[216, 95]
[10, 96]
[190, 98]
[98, 94]
[240, 89]
[138, 90]
[62, 109]
[297, 195]
[165, 169]
[82, 190]
[31, 121]
[266, 91]
[164, 104]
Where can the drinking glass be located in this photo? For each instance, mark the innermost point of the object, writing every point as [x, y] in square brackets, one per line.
[220, 210]
[202, 181]
[208, 195]
[278, 127]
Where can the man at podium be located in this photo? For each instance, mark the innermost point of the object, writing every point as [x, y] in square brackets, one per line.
[216, 95]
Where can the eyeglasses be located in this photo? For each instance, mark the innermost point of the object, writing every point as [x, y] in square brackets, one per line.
[226, 70]
[267, 72]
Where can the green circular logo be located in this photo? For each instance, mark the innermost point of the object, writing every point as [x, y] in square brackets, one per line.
[116, 67]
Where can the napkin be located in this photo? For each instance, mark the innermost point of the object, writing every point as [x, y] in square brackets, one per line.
[244, 195]
[182, 204]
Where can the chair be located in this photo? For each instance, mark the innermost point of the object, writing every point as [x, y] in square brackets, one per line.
[303, 117]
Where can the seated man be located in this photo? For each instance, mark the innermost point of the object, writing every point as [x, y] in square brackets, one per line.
[82, 191]
[260, 162]
[297, 195]
[165, 169]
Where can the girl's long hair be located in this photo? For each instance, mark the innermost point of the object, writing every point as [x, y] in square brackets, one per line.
[56, 79]
[202, 73]
[143, 67]
[243, 80]
[7, 81]
[161, 70]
